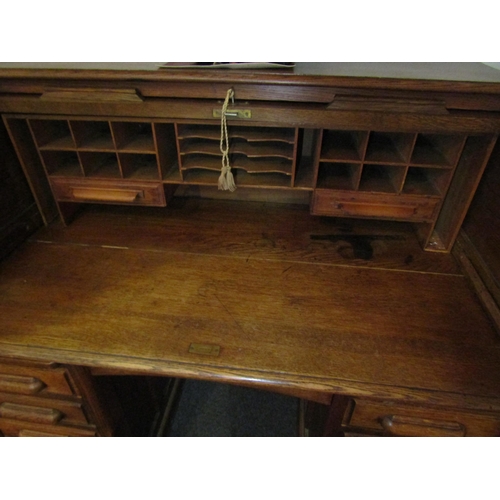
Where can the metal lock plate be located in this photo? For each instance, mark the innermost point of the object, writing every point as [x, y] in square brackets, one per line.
[233, 113]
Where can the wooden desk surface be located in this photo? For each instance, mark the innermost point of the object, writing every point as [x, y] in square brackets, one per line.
[290, 300]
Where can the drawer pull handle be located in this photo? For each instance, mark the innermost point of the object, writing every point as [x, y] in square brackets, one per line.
[20, 385]
[395, 425]
[30, 413]
[374, 209]
[92, 95]
[102, 194]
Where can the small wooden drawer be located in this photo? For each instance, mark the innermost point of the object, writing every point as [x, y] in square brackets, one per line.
[36, 379]
[368, 205]
[114, 192]
[368, 417]
[58, 432]
[40, 409]
[14, 428]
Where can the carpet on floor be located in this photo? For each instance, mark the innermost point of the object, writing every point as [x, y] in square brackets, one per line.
[209, 409]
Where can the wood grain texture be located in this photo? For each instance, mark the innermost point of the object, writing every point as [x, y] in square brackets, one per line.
[481, 228]
[19, 216]
[294, 321]
[368, 417]
[299, 304]
[251, 230]
[69, 411]
[306, 115]
[461, 77]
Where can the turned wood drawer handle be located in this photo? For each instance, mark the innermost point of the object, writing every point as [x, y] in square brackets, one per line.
[19, 384]
[30, 413]
[105, 194]
[421, 427]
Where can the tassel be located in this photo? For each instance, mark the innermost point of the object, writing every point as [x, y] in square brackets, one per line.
[226, 179]
[222, 180]
[231, 185]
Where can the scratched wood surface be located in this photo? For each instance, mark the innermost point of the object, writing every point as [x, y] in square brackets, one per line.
[284, 232]
[135, 290]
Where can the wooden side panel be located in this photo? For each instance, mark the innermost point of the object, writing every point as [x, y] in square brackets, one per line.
[19, 215]
[481, 228]
[465, 181]
[27, 154]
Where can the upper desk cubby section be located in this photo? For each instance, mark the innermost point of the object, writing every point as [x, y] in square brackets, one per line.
[422, 177]
[259, 156]
[104, 149]
[387, 162]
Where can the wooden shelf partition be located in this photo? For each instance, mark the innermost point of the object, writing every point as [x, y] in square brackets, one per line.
[437, 150]
[382, 178]
[133, 137]
[390, 167]
[405, 176]
[100, 164]
[102, 149]
[250, 134]
[426, 182]
[343, 146]
[387, 162]
[99, 161]
[52, 134]
[340, 175]
[389, 148]
[266, 152]
[92, 135]
[61, 163]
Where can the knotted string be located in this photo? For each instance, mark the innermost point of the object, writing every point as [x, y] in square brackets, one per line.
[226, 179]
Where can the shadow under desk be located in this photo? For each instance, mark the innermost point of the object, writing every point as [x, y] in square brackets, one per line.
[350, 314]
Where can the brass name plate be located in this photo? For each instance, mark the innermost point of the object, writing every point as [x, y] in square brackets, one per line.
[205, 349]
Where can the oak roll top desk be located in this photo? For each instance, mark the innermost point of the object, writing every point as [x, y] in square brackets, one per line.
[354, 266]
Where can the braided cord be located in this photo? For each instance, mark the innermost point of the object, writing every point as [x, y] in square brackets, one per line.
[226, 179]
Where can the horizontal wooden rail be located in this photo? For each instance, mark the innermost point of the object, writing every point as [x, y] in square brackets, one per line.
[92, 95]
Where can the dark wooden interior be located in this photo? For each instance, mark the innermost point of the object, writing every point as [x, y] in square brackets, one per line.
[356, 265]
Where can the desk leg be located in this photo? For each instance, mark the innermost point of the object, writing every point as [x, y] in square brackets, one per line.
[325, 420]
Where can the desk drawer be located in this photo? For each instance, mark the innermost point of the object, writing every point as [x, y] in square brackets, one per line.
[46, 380]
[386, 419]
[379, 206]
[40, 409]
[14, 428]
[114, 192]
